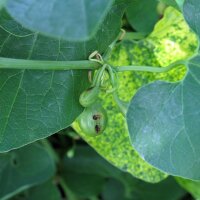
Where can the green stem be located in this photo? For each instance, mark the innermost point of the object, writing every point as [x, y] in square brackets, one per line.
[149, 68]
[70, 195]
[134, 36]
[122, 105]
[100, 74]
[111, 46]
[9, 63]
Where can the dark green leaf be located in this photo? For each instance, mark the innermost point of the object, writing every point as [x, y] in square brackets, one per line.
[71, 20]
[84, 156]
[138, 190]
[192, 187]
[84, 185]
[156, 50]
[191, 13]
[165, 190]
[142, 15]
[120, 185]
[164, 123]
[85, 173]
[172, 3]
[120, 153]
[46, 191]
[20, 169]
[113, 190]
[36, 104]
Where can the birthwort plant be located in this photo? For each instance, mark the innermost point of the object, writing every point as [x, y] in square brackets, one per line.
[125, 75]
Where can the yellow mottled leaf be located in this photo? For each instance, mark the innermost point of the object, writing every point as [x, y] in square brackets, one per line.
[171, 40]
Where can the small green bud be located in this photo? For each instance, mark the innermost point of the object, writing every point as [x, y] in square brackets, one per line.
[89, 96]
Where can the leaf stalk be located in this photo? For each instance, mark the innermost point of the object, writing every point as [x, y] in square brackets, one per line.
[150, 68]
[10, 63]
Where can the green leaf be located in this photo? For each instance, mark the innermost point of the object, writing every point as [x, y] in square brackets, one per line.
[180, 3]
[71, 20]
[83, 156]
[158, 191]
[82, 178]
[169, 39]
[41, 192]
[172, 3]
[142, 15]
[120, 153]
[117, 184]
[36, 104]
[114, 190]
[2, 3]
[166, 39]
[173, 38]
[191, 14]
[192, 187]
[20, 169]
[163, 121]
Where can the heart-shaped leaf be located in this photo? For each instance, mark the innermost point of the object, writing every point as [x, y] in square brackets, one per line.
[77, 20]
[159, 110]
[117, 185]
[164, 123]
[166, 38]
[121, 153]
[190, 186]
[142, 15]
[48, 190]
[36, 104]
[20, 169]
[191, 10]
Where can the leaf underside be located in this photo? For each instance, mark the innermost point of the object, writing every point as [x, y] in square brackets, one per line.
[166, 39]
[76, 20]
[168, 134]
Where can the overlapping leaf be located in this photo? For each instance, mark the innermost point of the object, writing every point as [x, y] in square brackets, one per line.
[163, 120]
[142, 15]
[120, 153]
[71, 20]
[171, 3]
[114, 144]
[45, 191]
[114, 184]
[36, 104]
[23, 168]
[191, 186]
[191, 10]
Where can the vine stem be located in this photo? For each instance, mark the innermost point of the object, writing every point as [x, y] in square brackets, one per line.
[69, 194]
[10, 63]
[149, 68]
[134, 36]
